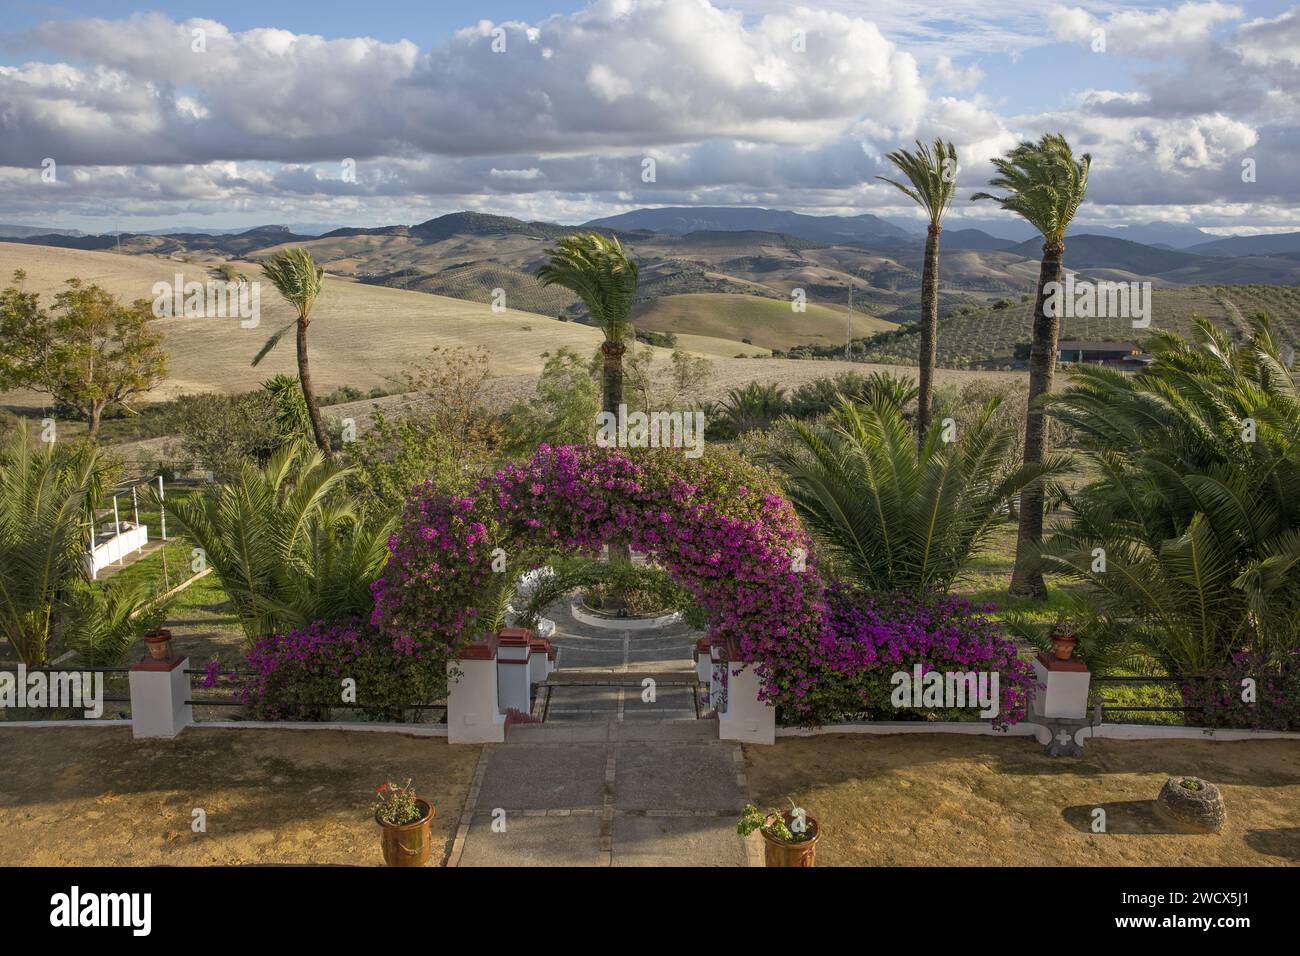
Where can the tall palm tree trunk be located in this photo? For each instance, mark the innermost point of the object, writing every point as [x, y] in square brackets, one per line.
[309, 395]
[612, 380]
[620, 551]
[929, 330]
[1027, 578]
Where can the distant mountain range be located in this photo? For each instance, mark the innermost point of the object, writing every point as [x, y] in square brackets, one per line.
[736, 251]
[833, 230]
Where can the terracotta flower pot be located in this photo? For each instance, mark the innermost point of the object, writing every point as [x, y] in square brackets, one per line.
[410, 843]
[779, 853]
[159, 644]
[1063, 645]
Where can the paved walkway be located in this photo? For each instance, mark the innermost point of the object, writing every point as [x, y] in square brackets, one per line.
[611, 778]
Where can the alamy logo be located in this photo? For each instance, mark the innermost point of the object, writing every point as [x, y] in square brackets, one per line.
[1101, 300]
[654, 430]
[102, 909]
[78, 690]
[210, 300]
[948, 689]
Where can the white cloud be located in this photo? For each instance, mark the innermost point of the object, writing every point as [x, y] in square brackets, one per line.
[1159, 32]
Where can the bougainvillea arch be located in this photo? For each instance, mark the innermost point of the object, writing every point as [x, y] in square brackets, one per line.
[717, 525]
[720, 527]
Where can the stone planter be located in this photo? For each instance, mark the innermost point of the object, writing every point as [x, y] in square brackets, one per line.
[1191, 804]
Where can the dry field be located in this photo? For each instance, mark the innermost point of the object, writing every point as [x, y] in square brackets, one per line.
[78, 797]
[364, 335]
[929, 799]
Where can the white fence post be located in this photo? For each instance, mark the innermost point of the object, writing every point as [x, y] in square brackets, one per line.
[473, 715]
[159, 691]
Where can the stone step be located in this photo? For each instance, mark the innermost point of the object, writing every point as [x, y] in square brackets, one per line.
[616, 731]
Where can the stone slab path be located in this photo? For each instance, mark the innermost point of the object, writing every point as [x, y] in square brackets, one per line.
[610, 778]
[606, 793]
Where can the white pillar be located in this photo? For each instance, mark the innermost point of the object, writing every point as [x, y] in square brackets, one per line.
[513, 688]
[1063, 688]
[541, 659]
[704, 662]
[473, 716]
[159, 690]
[745, 718]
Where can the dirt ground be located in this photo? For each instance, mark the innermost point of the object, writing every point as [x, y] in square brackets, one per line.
[82, 796]
[945, 800]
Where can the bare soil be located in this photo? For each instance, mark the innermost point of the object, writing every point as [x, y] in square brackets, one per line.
[936, 799]
[85, 796]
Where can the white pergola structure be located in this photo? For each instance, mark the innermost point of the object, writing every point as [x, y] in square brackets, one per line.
[122, 537]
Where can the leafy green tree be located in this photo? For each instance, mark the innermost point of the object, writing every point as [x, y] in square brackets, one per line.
[562, 411]
[298, 279]
[1189, 538]
[894, 515]
[932, 173]
[1045, 185]
[287, 543]
[90, 354]
[220, 432]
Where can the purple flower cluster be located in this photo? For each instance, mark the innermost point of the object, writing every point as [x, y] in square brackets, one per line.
[1221, 698]
[868, 637]
[296, 676]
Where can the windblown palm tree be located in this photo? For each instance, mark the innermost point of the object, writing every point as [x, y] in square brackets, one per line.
[933, 175]
[297, 278]
[895, 515]
[1045, 185]
[598, 271]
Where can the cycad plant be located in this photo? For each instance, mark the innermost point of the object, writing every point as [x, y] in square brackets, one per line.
[932, 173]
[1044, 184]
[1190, 535]
[287, 544]
[297, 278]
[756, 405]
[599, 272]
[47, 497]
[894, 515]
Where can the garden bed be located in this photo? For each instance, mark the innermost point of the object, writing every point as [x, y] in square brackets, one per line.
[270, 796]
[976, 801]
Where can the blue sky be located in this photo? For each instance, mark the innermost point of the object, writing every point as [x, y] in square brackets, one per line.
[559, 126]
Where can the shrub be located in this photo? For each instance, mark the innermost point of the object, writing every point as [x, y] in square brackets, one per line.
[870, 636]
[299, 675]
[1216, 698]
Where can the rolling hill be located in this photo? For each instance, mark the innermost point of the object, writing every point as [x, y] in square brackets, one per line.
[770, 323]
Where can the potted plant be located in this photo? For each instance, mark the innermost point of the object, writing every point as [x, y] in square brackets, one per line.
[1063, 642]
[156, 637]
[404, 820]
[789, 839]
